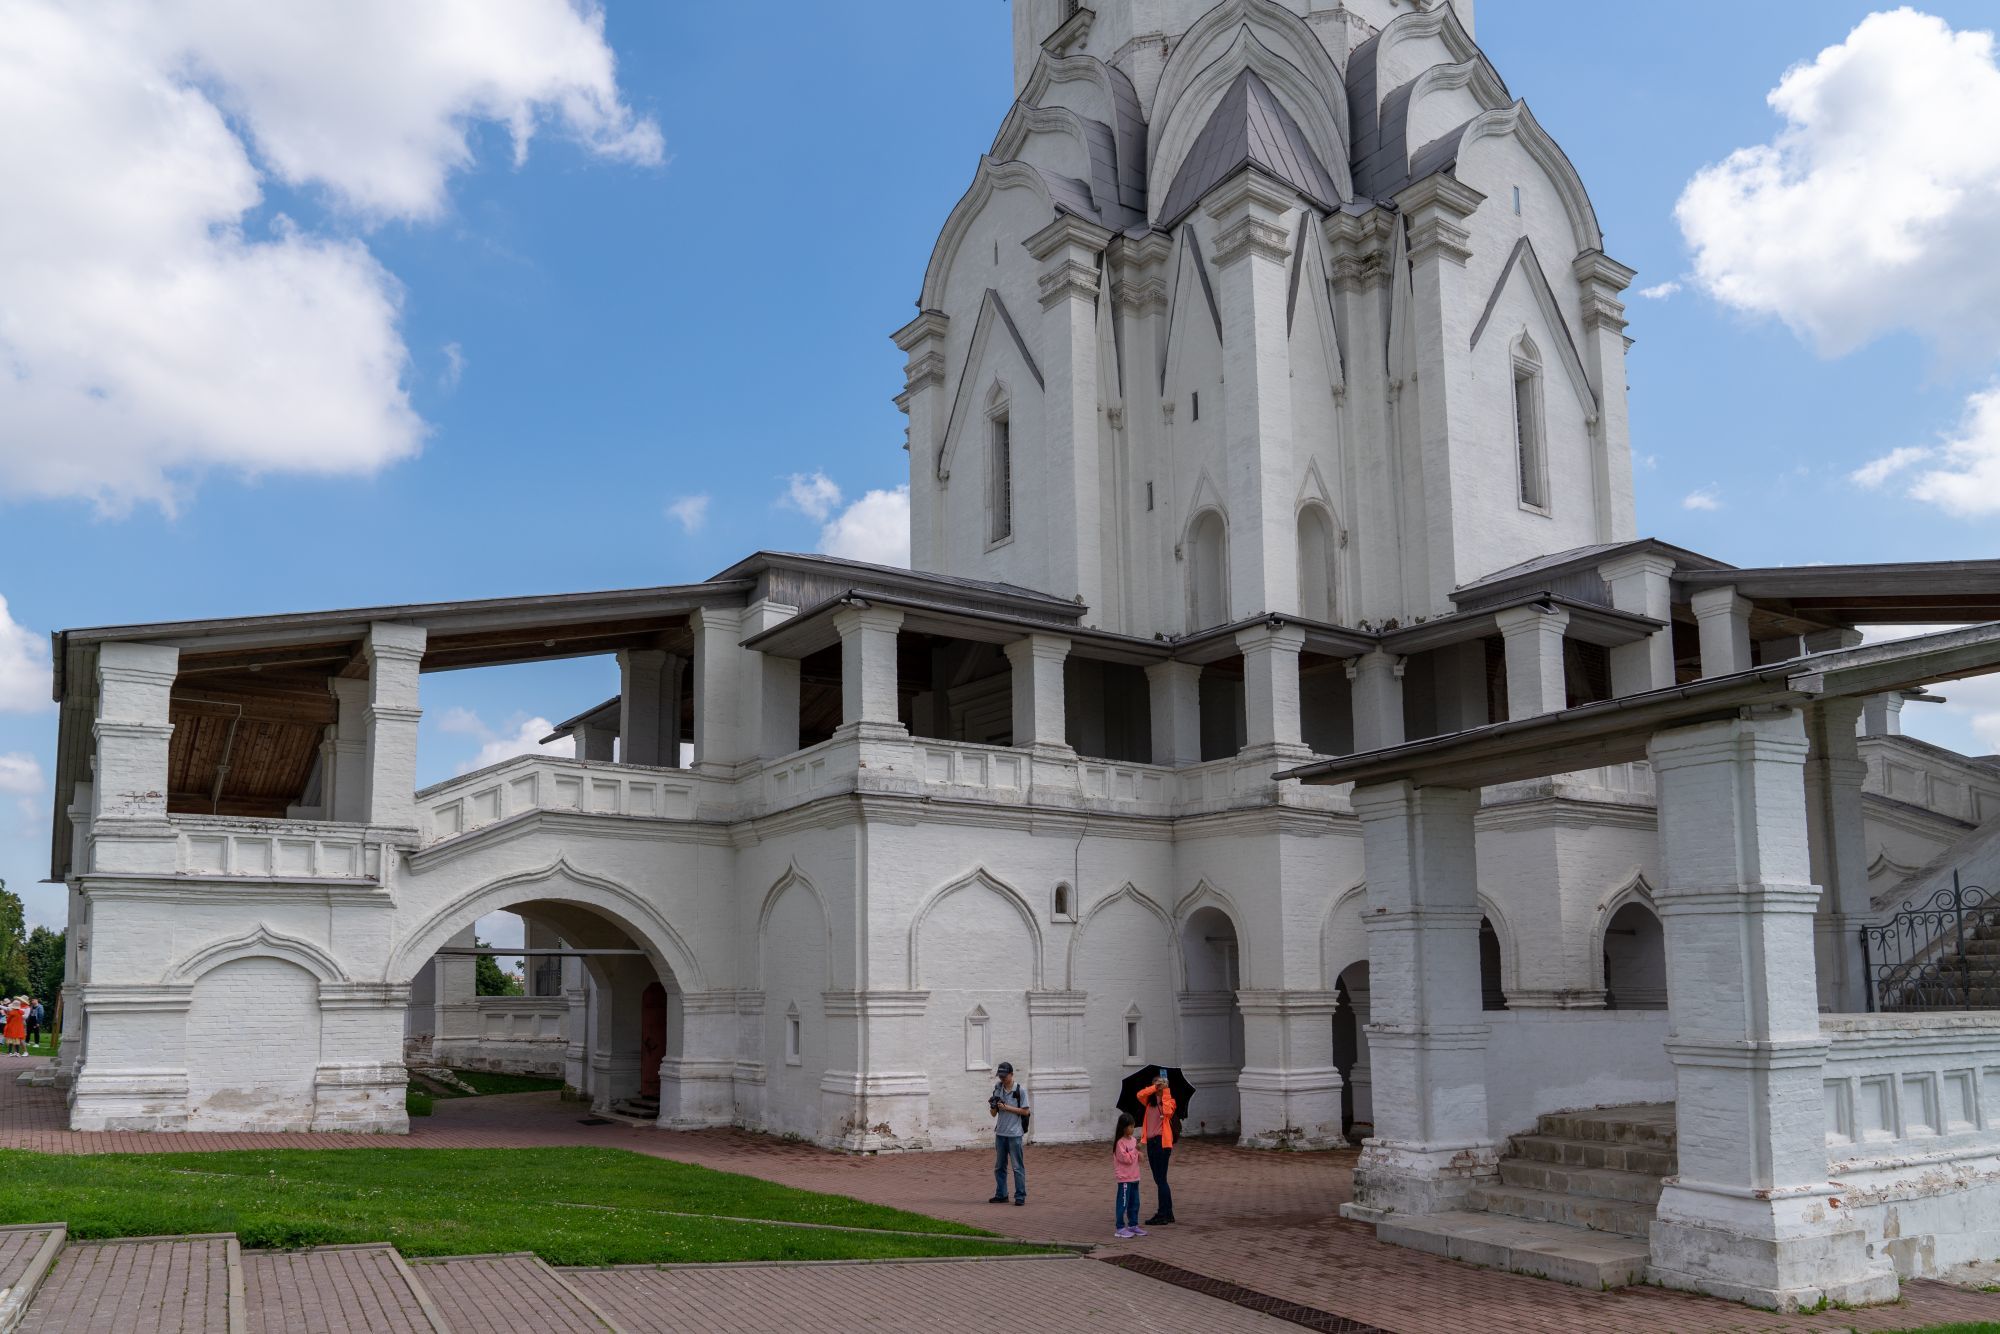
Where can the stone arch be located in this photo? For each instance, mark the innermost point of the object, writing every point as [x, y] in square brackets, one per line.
[1318, 545]
[1126, 891]
[1510, 963]
[562, 883]
[262, 943]
[1206, 548]
[990, 176]
[978, 878]
[1520, 122]
[1340, 948]
[1206, 895]
[1649, 963]
[793, 878]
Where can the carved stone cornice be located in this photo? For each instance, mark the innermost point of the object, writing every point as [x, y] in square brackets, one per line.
[927, 325]
[1249, 211]
[925, 369]
[1144, 251]
[1067, 279]
[1358, 248]
[1601, 279]
[1068, 230]
[1252, 236]
[1437, 207]
[1140, 296]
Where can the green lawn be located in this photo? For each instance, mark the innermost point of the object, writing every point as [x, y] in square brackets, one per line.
[486, 1081]
[464, 1202]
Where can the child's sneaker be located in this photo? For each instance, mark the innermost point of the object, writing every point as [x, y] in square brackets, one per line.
[1123, 1233]
[1138, 1231]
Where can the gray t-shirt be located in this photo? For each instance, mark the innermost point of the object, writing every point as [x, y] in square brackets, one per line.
[1007, 1123]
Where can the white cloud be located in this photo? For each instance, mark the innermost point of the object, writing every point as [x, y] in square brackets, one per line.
[153, 326]
[523, 738]
[812, 494]
[20, 774]
[1705, 498]
[1966, 480]
[874, 528]
[1969, 719]
[1875, 206]
[24, 667]
[691, 511]
[1877, 471]
[1660, 291]
[454, 366]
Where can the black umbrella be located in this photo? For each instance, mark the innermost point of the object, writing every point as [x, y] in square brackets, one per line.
[1177, 1083]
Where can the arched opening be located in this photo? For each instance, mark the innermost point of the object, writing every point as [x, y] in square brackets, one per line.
[1316, 548]
[1350, 1050]
[1207, 556]
[1211, 1022]
[1492, 995]
[1635, 960]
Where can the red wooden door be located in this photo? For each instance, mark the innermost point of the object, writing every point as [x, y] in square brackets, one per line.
[652, 1038]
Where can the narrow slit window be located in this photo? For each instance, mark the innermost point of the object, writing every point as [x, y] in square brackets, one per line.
[1000, 481]
[1194, 405]
[794, 1036]
[1132, 1039]
[1528, 443]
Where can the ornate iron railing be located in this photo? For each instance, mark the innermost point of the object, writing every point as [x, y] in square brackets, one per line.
[1943, 954]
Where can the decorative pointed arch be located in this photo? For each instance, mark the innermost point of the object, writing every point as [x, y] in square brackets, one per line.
[1309, 283]
[1517, 120]
[1125, 892]
[1204, 552]
[1510, 959]
[991, 176]
[1206, 895]
[1635, 888]
[261, 943]
[1093, 138]
[793, 878]
[1440, 22]
[995, 322]
[979, 878]
[1337, 944]
[1524, 259]
[1127, 119]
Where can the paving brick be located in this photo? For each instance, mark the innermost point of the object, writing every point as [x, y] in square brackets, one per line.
[499, 1294]
[332, 1290]
[136, 1287]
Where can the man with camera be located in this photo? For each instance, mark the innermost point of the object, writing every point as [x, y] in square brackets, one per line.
[1008, 1106]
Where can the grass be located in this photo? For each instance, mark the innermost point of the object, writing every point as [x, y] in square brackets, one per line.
[417, 1101]
[1972, 1327]
[486, 1081]
[571, 1206]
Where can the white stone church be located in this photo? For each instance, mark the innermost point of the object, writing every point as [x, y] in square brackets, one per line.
[1281, 690]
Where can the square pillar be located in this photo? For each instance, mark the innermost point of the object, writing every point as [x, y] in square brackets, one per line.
[1288, 1089]
[1724, 619]
[719, 671]
[923, 401]
[1535, 678]
[649, 707]
[771, 688]
[876, 1093]
[128, 818]
[1037, 663]
[1599, 280]
[395, 656]
[868, 687]
[1882, 715]
[344, 753]
[698, 1085]
[1057, 1078]
[594, 743]
[1643, 584]
[1839, 853]
[1378, 700]
[360, 1082]
[1271, 687]
[1064, 510]
[1751, 1214]
[1175, 691]
[1427, 1039]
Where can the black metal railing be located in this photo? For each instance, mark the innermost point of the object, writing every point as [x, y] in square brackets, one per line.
[1941, 955]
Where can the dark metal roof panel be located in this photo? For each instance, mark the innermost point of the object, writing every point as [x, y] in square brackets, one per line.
[1249, 127]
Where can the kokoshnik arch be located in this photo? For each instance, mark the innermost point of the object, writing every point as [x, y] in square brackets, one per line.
[1266, 403]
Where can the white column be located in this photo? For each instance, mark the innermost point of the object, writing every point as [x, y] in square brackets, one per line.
[1361, 1077]
[1599, 280]
[698, 1083]
[719, 671]
[1882, 715]
[771, 690]
[1839, 853]
[868, 697]
[1724, 619]
[1427, 1041]
[1750, 1214]
[1642, 583]
[1535, 678]
[1057, 1078]
[395, 655]
[129, 791]
[649, 707]
[1378, 700]
[1175, 691]
[455, 1001]
[1288, 1089]
[344, 755]
[1067, 502]
[1037, 663]
[876, 1093]
[360, 1083]
[594, 743]
[1271, 686]
[1253, 254]
[923, 401]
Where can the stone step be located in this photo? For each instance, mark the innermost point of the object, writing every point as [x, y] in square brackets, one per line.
[27, 1251]
[1593, 1183]
[143, 1285]
[1649, 1125]
[1546, 1250]
[1547, 1206]
[335, 1290]
[500, 1294]
[1555, 1149]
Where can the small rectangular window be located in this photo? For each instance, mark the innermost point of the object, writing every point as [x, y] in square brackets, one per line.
[794, 1039]
[1149, 495]
[1517, 201]
[1000, 481]
[1132, 1039]
[1194, 405]
[1528, 438]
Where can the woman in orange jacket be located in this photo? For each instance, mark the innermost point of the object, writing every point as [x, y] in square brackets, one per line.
[1158, 1100]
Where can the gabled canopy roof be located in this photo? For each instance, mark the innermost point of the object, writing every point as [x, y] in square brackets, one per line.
[1249, 128]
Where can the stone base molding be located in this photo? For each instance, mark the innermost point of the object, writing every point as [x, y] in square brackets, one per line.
[1396, 1178]
[1788, 1251]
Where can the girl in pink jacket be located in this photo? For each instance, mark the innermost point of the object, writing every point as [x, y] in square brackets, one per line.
[1125, 1167]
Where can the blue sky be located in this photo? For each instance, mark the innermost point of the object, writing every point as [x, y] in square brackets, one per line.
[684, 290]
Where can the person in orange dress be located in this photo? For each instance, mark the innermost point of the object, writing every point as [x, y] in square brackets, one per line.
[16, 1031]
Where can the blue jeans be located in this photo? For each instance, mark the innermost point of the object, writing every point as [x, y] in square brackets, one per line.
[1159, 1160]
[1006, 1149]
[1126, 1212]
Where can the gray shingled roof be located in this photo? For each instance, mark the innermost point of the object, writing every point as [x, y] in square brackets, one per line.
[1249, 128]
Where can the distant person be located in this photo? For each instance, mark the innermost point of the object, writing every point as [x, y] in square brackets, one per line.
[35, 1015]
[15, 1032]
[1158, 1100]
[1008, 1106]
[1125, 1170]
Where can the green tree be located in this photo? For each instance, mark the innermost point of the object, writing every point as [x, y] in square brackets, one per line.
[488, 979]
[13, 944]
[45, 964]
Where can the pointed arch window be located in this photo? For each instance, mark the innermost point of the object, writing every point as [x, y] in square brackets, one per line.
[1207, 571]
[999, 471]
[1530, 436]
[1316, 548]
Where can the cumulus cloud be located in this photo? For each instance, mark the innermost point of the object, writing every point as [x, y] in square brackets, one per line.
[1878, 471]
[24, 667]
[1660, 291]
[20, 774]
[812, 494]
[690, 511]
[521, 736]
[874, 528]
[1705, 498]
[152, 322]
[1969, 719]
[454, 366]
[1875, 206]
[1966, 479]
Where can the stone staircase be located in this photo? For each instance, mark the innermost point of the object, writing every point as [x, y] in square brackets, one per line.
[1953, 978]
[1574, 1200]
[210, 1285]
[639, 1107]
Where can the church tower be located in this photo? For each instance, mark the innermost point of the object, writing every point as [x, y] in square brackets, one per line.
[1264, 307]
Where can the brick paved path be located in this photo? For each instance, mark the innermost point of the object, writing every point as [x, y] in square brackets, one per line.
[1264, 1220]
